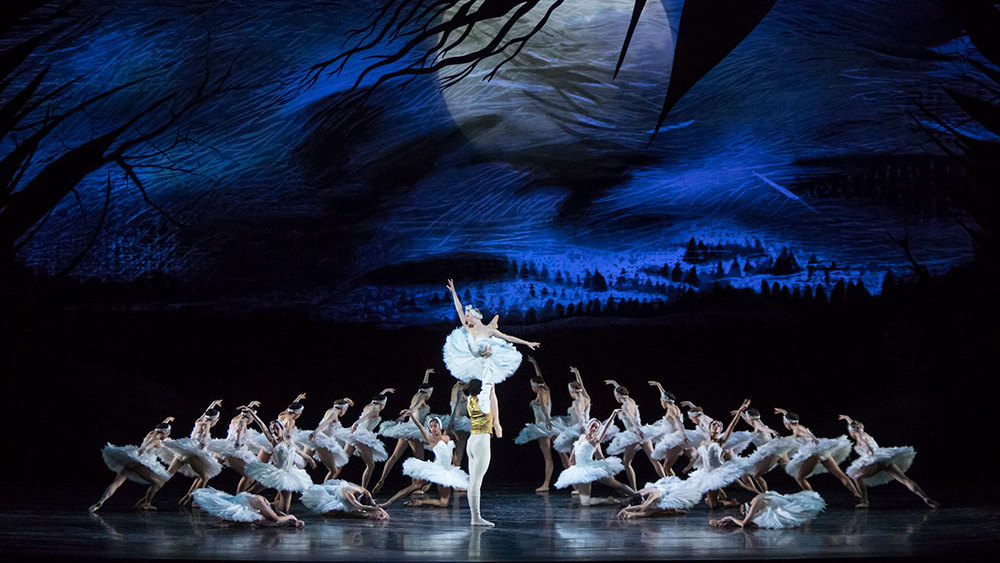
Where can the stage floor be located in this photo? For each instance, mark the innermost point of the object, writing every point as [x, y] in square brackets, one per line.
[529, 527]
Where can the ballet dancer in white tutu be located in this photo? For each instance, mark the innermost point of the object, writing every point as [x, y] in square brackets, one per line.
[329, 440]
[191, 456]
[716, 464]
[673, 439]
[405, 430]
[362, 439]
[139, 464]
[280, 472]
[243, 508]
[772, 449]
[877, 465]
[543, 429]
[776, 511]
[816, 455]
[577, 416]
[738, 441]
[287, 418]
[233, 450]
[341, 499]
[635, 435]
[668, 496]
[441, 471]
[584, 469]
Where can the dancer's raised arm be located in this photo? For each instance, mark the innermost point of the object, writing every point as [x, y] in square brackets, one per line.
[579, 379]
[513, 339]
[263, 427]
[732, 423]
[420, 427]
[458, 302]
[606, 425]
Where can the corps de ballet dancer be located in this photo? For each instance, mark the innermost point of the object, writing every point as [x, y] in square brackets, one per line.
[243, 508]
[717, 464]
[342, 499]
[634, 437]
[577, 418]
[877, 465]
[776, 511]
[772, 449]
[362, 439]
[543, 429]
[139, 464]
[668, 496]
[673, 438]
[280, 472]
[441, 471]
[816, 455]
[232, 449]
[584, 470]
[405, 431]
[287, 418]
[191, 456]
[328, 439]
[738, 441]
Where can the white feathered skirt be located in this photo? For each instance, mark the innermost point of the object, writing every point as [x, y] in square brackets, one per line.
[234, 508]
[127, 457]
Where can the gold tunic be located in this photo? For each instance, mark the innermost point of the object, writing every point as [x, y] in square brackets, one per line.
[481, 422]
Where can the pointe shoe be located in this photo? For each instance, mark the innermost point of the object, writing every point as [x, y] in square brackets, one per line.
[94, 507]
[542, 489]
[932, 503]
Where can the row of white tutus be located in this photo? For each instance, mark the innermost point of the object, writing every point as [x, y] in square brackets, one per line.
[676, 493]
[586, 469]
[439, 471]
[788, 511]
[127, 457]
[364, 437]
[901, 457]
[326, 497]
[234, 508]
[835, 448]
[280, 473]
[188, 450]
[535, 430]
[674, 439]
[487, 358]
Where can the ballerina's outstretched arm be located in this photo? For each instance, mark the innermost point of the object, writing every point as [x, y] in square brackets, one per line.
[263, 427]
[606, 425]
[457, 301]
[514, 339]
[732, 423]
[420, 427]
[579, 379]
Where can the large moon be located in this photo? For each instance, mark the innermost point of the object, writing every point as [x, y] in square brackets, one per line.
[558, 92]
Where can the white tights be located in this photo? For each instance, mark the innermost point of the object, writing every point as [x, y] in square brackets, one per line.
[478, 450]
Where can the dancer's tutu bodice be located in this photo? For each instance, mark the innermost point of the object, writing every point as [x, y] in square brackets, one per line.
[585, 468]
[439, 471]
[280, 472]
[483, 357]
[541, 412]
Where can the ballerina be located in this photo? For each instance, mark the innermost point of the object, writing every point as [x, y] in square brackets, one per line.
[544, 428]
[772, 449]
[362, 439]
[280, 472]
[138, 464]
[287, 418]
[816, 455]
[338, 498]
[441, 471]
[738, 441]
[406, 432]
[190, 456]
[328, 441]
[673, 439]
[877, 465]
[479, 351]
[457, 424]
[577, 416]
[668, 496]
[776, 511]
[716, 463]
[233, 450]
[243, 508]
[584, 469]
[634, 437]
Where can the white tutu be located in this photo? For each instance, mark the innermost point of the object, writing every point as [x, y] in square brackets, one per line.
[188, 450]
[739, 441]
[439, 471]
[405, 430]
[713, 472]
[280, 473]
[326, 497]
[586, 468]
[626, 438]
[226, 506]
[676, 493]
[674, 439]
[226, 450]
[462, 356]
[324, 442]
[365, 437]
[901, 457]
[836, 448]
[788, 511]
[127, 457]
[256, 441]
[779, 447]
[568, 436]
[462, 423]
[534, 430]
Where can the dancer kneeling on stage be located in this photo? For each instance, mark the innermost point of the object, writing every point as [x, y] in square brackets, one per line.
[440, 471]
[584, 469]
[243, 508]
[342, 499]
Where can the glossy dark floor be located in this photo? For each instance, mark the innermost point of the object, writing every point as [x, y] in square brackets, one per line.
[529, 526]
